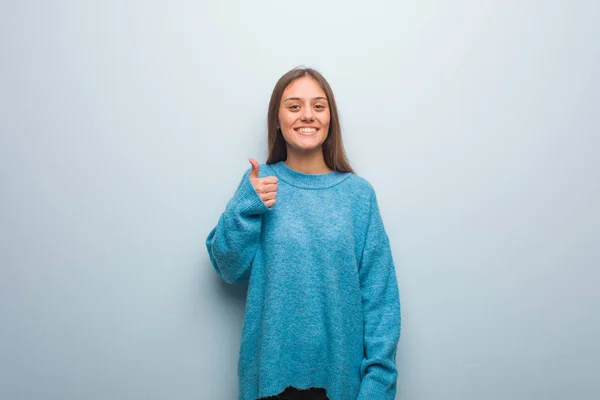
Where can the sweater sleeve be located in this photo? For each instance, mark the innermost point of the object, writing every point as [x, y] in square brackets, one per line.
[381, 310]
[233, 242]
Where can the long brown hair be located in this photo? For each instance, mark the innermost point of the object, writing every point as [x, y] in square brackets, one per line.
[333, 147]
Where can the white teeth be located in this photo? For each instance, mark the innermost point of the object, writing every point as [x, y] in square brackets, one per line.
[306, 130]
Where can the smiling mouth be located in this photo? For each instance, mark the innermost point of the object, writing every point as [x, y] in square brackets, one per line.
[306, 131]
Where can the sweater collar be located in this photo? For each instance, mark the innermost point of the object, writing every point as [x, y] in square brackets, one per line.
[308, 181]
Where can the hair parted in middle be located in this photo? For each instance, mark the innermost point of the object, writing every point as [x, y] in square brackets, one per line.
[333, 147]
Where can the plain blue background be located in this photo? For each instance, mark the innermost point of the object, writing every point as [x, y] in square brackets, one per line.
[125, 127]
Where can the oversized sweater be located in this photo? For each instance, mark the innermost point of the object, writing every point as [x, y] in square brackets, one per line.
[322, 307]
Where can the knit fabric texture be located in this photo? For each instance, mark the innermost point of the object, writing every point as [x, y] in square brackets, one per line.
[323, 306]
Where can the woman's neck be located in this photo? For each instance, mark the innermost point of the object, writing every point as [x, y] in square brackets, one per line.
[307, 163]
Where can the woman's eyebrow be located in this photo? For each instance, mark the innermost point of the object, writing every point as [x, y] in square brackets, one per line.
[298, 98]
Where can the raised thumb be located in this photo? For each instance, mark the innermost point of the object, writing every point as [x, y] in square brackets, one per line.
[255, 168]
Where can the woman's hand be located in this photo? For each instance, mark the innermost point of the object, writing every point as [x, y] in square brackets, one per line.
[265, 187]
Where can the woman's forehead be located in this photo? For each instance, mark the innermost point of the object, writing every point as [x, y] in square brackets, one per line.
[305, 87]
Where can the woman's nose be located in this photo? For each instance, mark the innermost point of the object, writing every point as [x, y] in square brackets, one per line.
[307, 115]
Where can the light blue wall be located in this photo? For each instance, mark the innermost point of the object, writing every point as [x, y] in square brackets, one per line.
[125, 127]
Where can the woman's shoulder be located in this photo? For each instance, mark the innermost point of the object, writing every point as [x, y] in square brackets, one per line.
[359, 189]
[360, 184]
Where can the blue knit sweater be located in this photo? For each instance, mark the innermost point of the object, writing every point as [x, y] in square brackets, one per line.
[323, 307]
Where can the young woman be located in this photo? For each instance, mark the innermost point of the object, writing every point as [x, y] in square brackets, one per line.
[322, 317]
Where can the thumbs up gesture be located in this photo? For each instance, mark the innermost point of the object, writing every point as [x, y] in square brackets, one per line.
[265, 187]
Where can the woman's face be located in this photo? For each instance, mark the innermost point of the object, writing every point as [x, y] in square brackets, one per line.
[304, 114]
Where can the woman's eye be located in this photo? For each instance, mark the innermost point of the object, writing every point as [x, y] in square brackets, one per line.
[320, 106]
[294, 107]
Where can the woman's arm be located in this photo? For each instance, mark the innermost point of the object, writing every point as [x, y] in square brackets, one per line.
[381, 310]
[233, 242]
